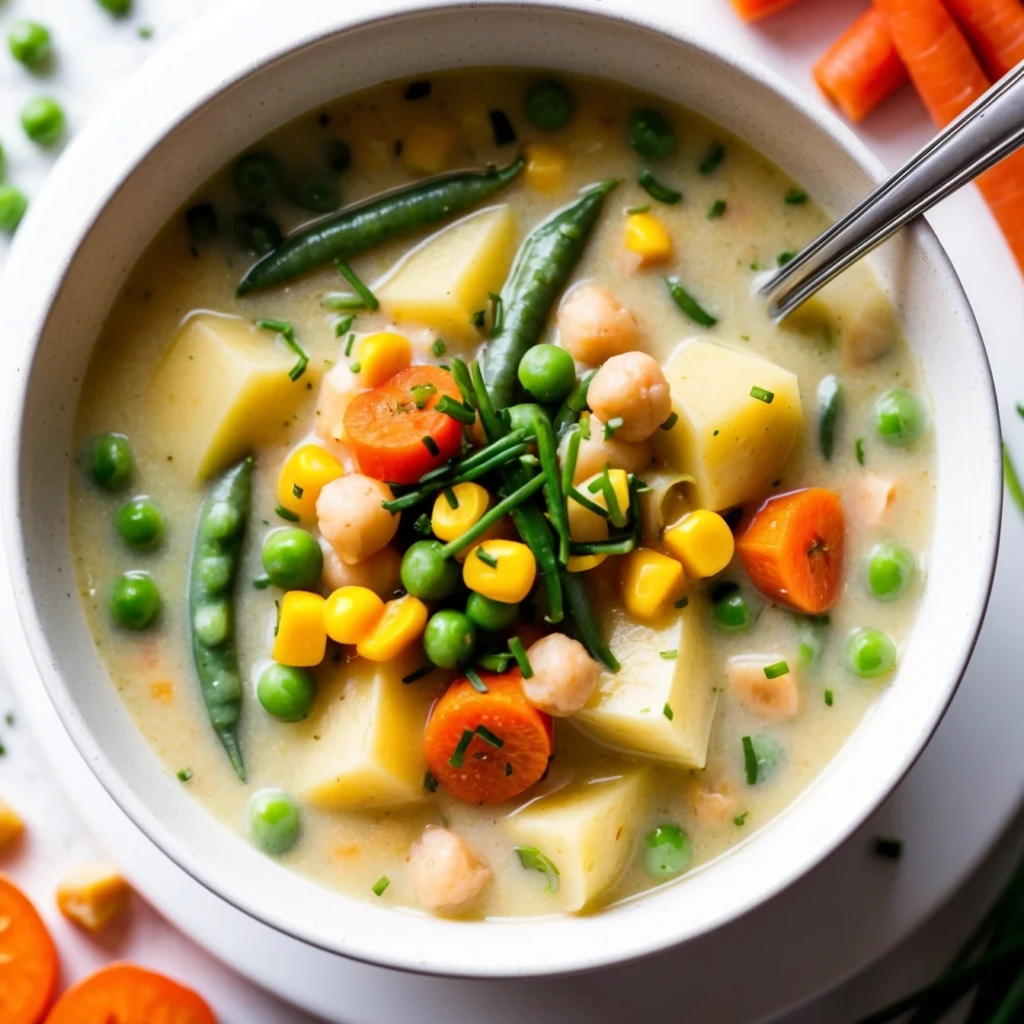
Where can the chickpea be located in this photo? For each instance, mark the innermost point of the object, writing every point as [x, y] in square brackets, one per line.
[593, 326]
[379, 572]
[713, 803]
[352, 519]
[564, 675]
[754, 691]
[631, 387]
[596, 453]
[445, 873]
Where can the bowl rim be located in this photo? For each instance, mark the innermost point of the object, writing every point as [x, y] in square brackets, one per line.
[642, 15]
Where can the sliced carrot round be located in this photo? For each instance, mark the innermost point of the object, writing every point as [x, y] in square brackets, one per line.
[28, 959]
[792, 548]
[488, 747]
[126, 994]
[394, 440]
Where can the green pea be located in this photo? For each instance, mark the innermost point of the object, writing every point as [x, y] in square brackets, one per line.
[257, 233]
[13, 204]
[548, 373]
[140, 523]
[212, 622]
[890, 571]
[3, 162]
[870, 653]
[286, 693]
[449, 639]
[549, 106]
[43, 120]
[809, 648]
[223, 520]
[316, 193]
[769, 755]
[732, 612]
[426, 575]
[338, 154]
[650, 134]
[257, 176]
[110, 462]
[489, 614]
[214, 572]
[29, 43]
[667, 851]
[900, 418]
[274, 821]
[292, 559]
[522, 415]
[134, 600]
[119, 8]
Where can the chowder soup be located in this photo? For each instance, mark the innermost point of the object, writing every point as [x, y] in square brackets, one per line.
[455, 523]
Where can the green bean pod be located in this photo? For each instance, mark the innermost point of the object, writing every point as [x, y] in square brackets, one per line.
[581, 611]
[542, 269]
[346, 234]
[215, 559]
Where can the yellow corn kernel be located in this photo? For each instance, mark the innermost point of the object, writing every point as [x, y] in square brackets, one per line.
[650, 580]
[301, 639]
[92, 895]
[428, 149]
[350, 614]
[403, 621]
[11, 825]
[585, 525]
[545, 168]
[304, 475]
[380, 356]
[510, 579]
[702, 541]
[647, 237]
[449, 523]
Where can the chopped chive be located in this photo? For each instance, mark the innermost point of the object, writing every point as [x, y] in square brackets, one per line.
[431, 445]
[438, 347]
[1013, 485]
[458, 757]
[277, 620]
[590, 506]
[515, 645]
[184, 774]
[430, 783]
[716, 209]
[488, 737]
[261, 582]
[369, 299]
[421, 394]
[449, 496]
[343, 326]
[355, 367]
[479, 318]
[762, 395]
[668, 655]
[889, 848]
[631, 210]
[486, 557]
[494, 662]
[741, 819]
[673, 418]
[423, 525]
[455, 410]
[533, 860]
[287, 332]
[419, 90]
[615, 423]
[795, 197]
[341, 302]
[644, 711]
[657, 191]
[585, 427]
[668, 712]
[297, 490]
[286, 513]
[858, 450]
[688, 304]
[750, 760]
[681, 603]
[419, 673]
[828, 698]
[780, 668]
[381, 885]
[785, 257]
[714, 156]
[475, 681]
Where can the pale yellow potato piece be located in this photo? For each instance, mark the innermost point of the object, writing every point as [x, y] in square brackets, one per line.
[732, 444]
[221, 390]
[92, 895]
[588, 831]
[444, 281]
[369, 754]
[628, 710]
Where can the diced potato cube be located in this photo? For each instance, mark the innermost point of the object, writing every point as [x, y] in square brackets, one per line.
[444, 281]
[369, 753]
[92, 895]
[11, 825]
[733, 444]
[221, 390]
[655, 706]
[588, 831]
[428, 148]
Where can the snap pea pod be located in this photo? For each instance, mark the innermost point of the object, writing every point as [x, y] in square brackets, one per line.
[541, 271]
[830, 400]
[215, 558]
[346, 234]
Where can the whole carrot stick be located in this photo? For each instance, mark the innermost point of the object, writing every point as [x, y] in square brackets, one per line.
[995, 29]
[755, 10]
[862, 67]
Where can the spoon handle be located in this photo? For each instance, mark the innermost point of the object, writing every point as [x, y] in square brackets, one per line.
[989, 130]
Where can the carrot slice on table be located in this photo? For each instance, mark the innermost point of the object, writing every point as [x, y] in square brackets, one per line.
[995, 29]
[755, 10]
[792, 549]
[126, 994]
[862, 67]
[28, 959]
[487, 747]
[395, 441]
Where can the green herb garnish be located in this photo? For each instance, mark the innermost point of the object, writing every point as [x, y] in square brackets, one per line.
[673, 418]
[668, 655]
[431, 445]
[657, 191]
[458, 758]
[716, 209]
[286, 513]
[438, 347]
[364, 293]
[750, 760]
[184, 774]
[668, 712]
[381, 885]
[829, 698]
[714, 156]
[515, 645]
[475, 681]
[486, 557]
[762, 395]
[533, 860]
[688, 304]
[780, 668]
[287, 333]
[795, 197]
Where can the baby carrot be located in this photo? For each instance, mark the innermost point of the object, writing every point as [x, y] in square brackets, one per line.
[792, 549]
[995, 29]
[486, 747]
[755, 10]
[28, 959]
[861, 68]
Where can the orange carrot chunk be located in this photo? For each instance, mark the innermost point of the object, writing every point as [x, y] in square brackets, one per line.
[755, 10]
[394, 430]
[488, 747]
[862, 68]
[995, 29]
[792, 549]
[126, 994]
[28, 959]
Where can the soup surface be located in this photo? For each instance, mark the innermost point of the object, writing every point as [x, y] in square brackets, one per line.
[759, 498]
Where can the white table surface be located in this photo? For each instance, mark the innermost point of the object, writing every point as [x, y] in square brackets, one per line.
[94, 55]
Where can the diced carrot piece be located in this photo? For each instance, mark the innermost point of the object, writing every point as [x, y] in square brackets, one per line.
[755, 10]
[995, 29]
[793, 546]
[862, 67]
[466, 727]
[28, 959]
[391, 438]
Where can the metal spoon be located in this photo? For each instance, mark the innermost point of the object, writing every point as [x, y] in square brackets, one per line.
[985, 133]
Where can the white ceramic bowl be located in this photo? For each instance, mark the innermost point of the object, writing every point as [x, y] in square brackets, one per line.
[257, 63]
